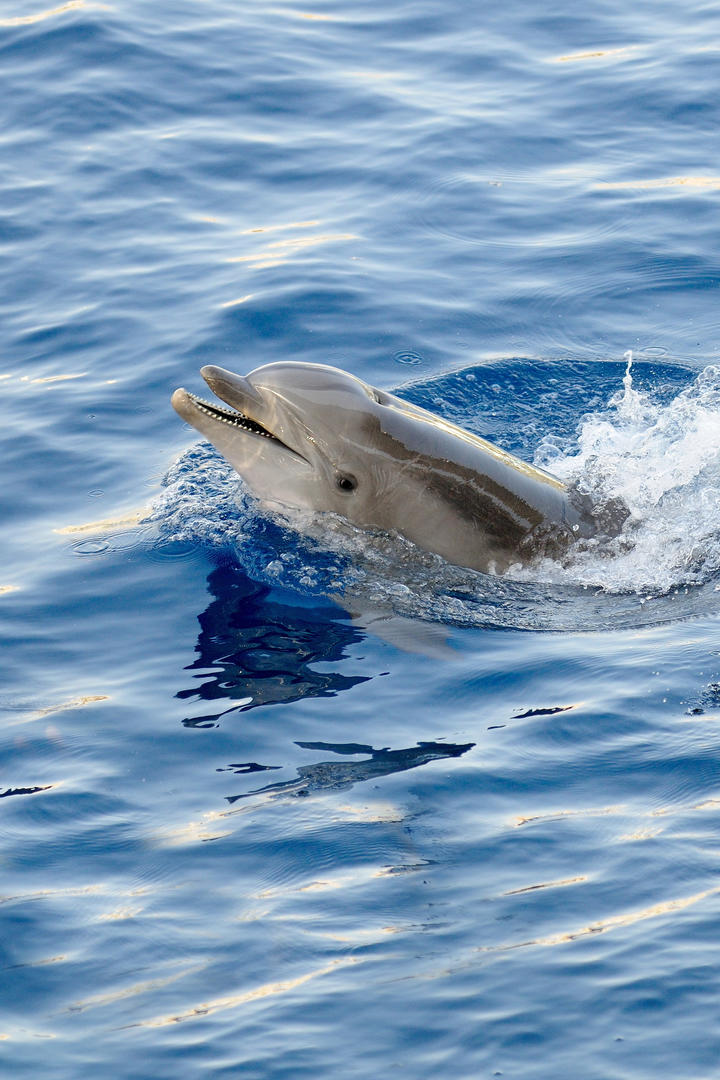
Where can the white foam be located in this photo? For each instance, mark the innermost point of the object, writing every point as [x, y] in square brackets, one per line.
[663, 461]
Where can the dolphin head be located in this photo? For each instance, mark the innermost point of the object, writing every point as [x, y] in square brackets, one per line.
[303, 435]
[313, 437]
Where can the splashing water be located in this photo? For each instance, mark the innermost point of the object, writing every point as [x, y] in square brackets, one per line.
[663, 462]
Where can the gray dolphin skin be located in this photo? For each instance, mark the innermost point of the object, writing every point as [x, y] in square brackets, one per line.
[314, 437]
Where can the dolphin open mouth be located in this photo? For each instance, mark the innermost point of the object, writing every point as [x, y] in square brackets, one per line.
[211, 418]
[232, 417]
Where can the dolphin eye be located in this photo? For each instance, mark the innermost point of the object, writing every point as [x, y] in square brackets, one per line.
[345, 482]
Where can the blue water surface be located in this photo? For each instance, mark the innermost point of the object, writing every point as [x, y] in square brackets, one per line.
[277, 808]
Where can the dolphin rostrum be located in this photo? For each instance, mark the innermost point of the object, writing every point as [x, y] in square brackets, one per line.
[314, 437]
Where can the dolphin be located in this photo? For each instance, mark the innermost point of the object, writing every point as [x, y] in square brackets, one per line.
[312, 437]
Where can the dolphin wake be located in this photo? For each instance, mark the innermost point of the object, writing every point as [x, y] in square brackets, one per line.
[650, 438]
[663, 461]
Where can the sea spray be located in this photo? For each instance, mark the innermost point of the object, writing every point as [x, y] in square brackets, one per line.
[663, 462]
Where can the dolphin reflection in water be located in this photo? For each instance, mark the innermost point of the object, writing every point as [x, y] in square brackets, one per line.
[256, 650]
[337, 775]
[316, 438]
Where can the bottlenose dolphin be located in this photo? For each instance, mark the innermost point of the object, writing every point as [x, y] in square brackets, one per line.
[313, 437]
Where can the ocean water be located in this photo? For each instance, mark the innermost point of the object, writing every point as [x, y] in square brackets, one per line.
[280, 798]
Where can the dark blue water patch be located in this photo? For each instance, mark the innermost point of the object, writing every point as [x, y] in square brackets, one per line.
[257, 650]
[263, 333]
[517, 402]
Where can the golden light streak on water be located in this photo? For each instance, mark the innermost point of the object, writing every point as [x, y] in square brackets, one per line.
[615, 922]
[74, 703]
[593, 811]
[43, 894]
[601, 926]
[547, 885]
[240, 300]
[282, 250]
[354, 876]
[349, 879]
[105, 524]
[360, 936]
[290, 13]
[64, 706]
[44, 961]
[232, 1001]
[375, 812]
[685, 808]
[49, 13]
[205, 828]
[599, 54]
[690, 182]
[280, 228]
[54, 378]
[97, 1001]
[120, 914]
[193, 832]
[638, 835]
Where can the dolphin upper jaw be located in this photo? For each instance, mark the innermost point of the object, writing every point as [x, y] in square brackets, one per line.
[234, 389]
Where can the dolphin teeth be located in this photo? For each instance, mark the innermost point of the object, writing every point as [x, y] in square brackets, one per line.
[232, 418]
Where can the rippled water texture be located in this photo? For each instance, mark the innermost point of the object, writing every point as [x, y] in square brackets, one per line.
[281, 799]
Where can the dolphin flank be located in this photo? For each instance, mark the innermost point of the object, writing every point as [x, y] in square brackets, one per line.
[314, 437]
